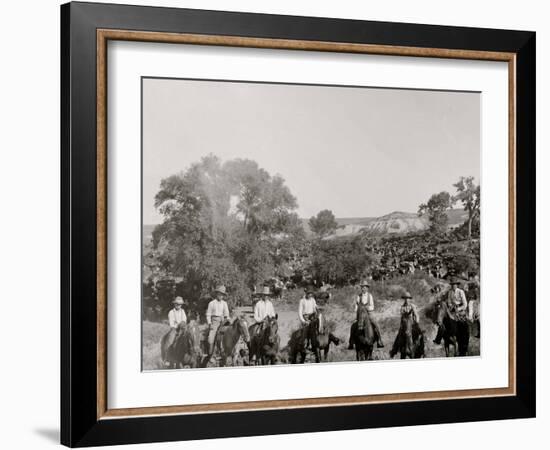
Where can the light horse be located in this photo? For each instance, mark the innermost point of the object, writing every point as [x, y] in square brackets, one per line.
[185, 350]
[410, 339]
[264, 347]
[226, 339]
[363, 334]
[455, 332]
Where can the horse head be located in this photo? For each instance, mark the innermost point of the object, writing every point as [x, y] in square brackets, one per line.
[407, 323]
[272, 329]
[440, 311]
[193, 336]
[363, 317]
[242, 327]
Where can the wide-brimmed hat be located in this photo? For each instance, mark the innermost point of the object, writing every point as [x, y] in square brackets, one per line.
[178, 301]
[454, 280]
[406, 295]
[309, 290]
[364, 283]
[266, 291]
[221, 289]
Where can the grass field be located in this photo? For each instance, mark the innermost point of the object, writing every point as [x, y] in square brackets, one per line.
[339, 315]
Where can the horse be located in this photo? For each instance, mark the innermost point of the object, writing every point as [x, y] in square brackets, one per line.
[410, 339]
[185, 350]
[309, 332]
[265, 346]
[325, 339]
[226, 340]
[363, 334]
[455, 332]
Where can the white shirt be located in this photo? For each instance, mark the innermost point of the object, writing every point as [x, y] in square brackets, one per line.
[217, 308]
[458, 298]
[175, 317]
[307, 306]
[262, 309]
[365, 299]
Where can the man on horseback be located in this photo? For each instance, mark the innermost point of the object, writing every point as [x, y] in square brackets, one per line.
[457, 304]
[307, 310]
[263, 309]
[216, 314]
[407, 309]
[175, 316]
[365, 299]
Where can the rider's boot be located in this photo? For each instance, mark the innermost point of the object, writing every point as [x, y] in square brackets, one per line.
[439, 336]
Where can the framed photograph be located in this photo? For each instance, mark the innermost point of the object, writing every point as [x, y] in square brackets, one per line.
[277, 224]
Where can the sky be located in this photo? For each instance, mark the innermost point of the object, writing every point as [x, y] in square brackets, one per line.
[358, 151]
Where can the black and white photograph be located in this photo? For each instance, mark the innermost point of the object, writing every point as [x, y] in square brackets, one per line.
[296, 223]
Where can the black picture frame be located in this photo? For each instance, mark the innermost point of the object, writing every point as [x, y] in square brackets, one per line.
[80, 425]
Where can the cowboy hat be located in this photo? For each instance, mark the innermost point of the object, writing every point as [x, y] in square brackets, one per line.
[406, 295]
[266, 291]
[365, 283]
[221, 289]
[178, 301]
[256, 293]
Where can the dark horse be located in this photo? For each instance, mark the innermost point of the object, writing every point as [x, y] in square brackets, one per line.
[308, 333]
[185, 351]
[455, 332]
[226, 339]
[410, 339]
[265, 345]
[325, 339]
[363, 334]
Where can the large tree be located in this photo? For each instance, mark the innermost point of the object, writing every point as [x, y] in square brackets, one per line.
[436, 208]
[468, 193]
[324, 224]
[221, 224]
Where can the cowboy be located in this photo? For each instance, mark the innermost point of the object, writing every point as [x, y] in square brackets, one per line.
[307, 310]
[175, 316]
[263, 308]
[456, 300]
[472, 294]
[216, 313]
[365, 299]
[457, 305]
[407, 308]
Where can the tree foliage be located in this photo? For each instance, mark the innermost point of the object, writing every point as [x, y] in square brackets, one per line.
[468, 193]
[340, 261]
[223, 223]
[324, 224]
[435, 208]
